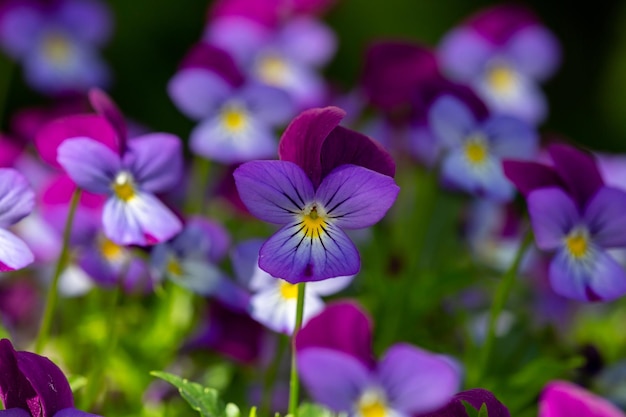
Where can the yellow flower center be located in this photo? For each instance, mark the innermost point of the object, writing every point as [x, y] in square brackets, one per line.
[272, 70]
[577, 243]
[174, 267]
[234, 118]
[313, 223]
[123, 186]
[57, 48]
[501, 78]
[110, 250]
[288, 291]
[372, 404]
[476, 150]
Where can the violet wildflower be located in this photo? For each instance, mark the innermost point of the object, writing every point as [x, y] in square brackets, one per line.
[476, 148]
[564, 399]
[237, 118]
[579, 218]
[57, 42]
[33, 386]
[503, 52]
[341, 375]
[323, 192]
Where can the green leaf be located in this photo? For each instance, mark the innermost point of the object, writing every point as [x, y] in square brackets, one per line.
[76, 382]
[313, 410]
[202, 399]
[483, 411]
[470, 410]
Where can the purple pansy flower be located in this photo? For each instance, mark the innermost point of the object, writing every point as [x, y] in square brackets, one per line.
[268, 13]
[340, 374]
[16, 202]
[574, 214]
[33, 386]
[56, 42]
[476, 148]
[564, 399]
[236, 118]
[315, 191]
[503, 52]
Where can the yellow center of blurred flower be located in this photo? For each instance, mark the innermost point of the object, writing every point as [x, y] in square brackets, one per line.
[476, 149]
[288, 291]
[313, 223]
[123, 186]
[234, 118]
[501, 78]
[372, 404]
[577, 243]
[110, 250]
[272, 70]
[57, 48]
[174, 267]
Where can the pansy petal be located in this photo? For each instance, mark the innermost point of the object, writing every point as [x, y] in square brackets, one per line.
[332, 378]
[52, 135]
[14, 412]
[417, 381]
[343, 326]
[15, 389]
[90, 164]
[14, 253]
[293, 255]
[88, 20]
[308, 41]
[356, 197]
[330, 286]
[155, 161]
[578, 170]
[72, 412]
[529, 176]
[245, 260]
[605, 217]
[273, 190]
[463, 53]
[17, 198]
[535, 51]
[476, 397]
[20, 27]
[278, 313]
[451, 120]
[240, 36]
[564, 399]
[552, 214]
[270, 104]
[200, 277]
[510, 137]
[302, 141]
[106, 108]
[202, 238]
[198, 93]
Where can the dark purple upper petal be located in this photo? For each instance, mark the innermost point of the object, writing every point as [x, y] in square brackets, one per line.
[578, 170]
[342, 326]
[528, 176]
[497, 24]
[209, 57]
[476, 397]
[15, 390]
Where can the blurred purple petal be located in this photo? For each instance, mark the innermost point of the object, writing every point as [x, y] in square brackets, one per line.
[198, 93]
[451, 121]
[342, 326]
[14, 412]
[578, 170]
[355, 197]
[308, 41]
[208, 57]
[90, 164]
[14, 253]
[329, 286]
[535, 51]
[302, 141]
[88, 20]
[52, 135]
[332, 378]
[105, 107]
[202, 236]
[499, 23]
[605, 217]
[510, 137]
[552, 214]
[294, 256]
[155, 161]
[273, 191]
[245, 260]
[20, 26]
[564, 399]
[17, 198]
[464, 53]
[270, 104]
[72, 412]
[262, 12]
[476, 397]
[417, 381]
[241, 37]
[529, 176]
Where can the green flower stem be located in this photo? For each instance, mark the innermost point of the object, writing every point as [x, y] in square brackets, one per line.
[198, 184]
[294, 384]
[51, 301]
[499, 300]
[270, 376]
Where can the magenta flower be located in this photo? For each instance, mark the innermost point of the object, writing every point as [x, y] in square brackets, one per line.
[33, 386]
[564, 399]
[317, 190]
[579, 218]
[57, 42]
[337, 367]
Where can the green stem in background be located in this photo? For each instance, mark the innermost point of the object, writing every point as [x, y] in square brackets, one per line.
[198, 185]
[499, 300]
[294, 384]
[270, 376]
[51, 301]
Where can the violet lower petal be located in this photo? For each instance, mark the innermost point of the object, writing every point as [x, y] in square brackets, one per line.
[528, 176]
[270, 104]
[356, 197]
[17, 198]
[553, 214]
[14, 253]
[578, 170]
[273, 191]
[52, 135]
[535, 52]
[89, 163]
[451, 121]
[343, 326]
[510, 137]
[463, 53]
[198, 93]
[155, 161]
[294, 256]
[302, 141]
[332, 378]
[417, 381]
[605, 217]
[564, 399]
